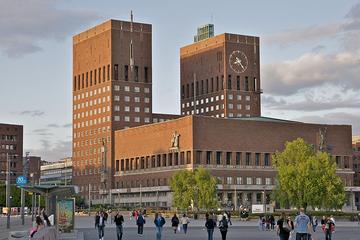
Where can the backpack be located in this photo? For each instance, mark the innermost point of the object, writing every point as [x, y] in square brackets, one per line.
[223, 225]
[140, 220]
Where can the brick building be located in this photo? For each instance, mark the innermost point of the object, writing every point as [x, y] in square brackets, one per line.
[237, 151]
[11, 148]
[112, 90]
[356, 167]
[123, 153]
[34, 169]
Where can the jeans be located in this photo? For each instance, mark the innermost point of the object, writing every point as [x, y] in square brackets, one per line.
[223, 235]
[314, 228]
[119, 231]
[210, 234]
[328, 235]
[140, 229]
[101, 231]
[185, 228]
[302, 236]
[284, 237]
[158, 232]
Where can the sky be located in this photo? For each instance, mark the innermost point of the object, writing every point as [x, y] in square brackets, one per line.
[309, 51]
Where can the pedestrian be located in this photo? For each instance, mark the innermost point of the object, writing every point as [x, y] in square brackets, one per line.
[260, 223]
[329, 228]
[210, 225]
[39, 225]
[185, 221]
[302, 225]
[100, 224]
[272, 222]
[175, 223]
[159, 222]
[229, 218]
[314, 223]
[140, 223]
[284, 227]
[223, 227]
[119, 220]
[45, 217]
[358, 217]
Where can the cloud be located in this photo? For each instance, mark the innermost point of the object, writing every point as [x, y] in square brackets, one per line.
[50, 151]
[335, 118]
[42, 132]
[322, 98]
[32, 113]
[312, 69]
[24, 24]
[345, 30]
[55, 125]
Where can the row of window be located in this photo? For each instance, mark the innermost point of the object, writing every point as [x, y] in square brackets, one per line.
[212, 99]
[11, 138]
[8, 146]
[248, 180]
[103, 74]
[216, 84]
[218, 107]
[91, 132]
[104, 89]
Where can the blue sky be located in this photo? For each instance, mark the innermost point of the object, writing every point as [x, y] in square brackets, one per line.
[310, 58]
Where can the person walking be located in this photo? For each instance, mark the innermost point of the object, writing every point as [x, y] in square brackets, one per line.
[284, 227]
[358, 217]
[314, 223]
[45, 217]
[159, 222]
[210, 225]
[302, 225]
[175, 222]
[100, 224]
[39, 225]
[185, 221]
[272, 222]
[140, 223]
[223, 227]
[329, 228]
[119, 220]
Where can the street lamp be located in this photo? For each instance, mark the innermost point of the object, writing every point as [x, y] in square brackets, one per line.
[8, 192]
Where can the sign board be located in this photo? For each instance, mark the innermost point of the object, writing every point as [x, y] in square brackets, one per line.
[257, 208]
[65, 214]
[21, 181]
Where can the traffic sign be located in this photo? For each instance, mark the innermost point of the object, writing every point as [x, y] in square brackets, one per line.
[21, 181]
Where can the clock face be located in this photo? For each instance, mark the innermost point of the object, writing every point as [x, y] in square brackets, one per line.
[238, 61]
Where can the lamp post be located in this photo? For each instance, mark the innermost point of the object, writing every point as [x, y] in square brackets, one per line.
[8, 186]
[25, 173]
[264, 200]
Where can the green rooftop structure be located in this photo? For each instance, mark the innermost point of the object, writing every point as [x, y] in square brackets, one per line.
[204, 32]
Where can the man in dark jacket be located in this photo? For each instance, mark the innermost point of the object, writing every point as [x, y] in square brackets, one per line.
[140, 223]
[100, 224]
[119, 220]
[210, 225]
[159, 222]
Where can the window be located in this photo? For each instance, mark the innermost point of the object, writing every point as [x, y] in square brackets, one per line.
[231, 106]
[146, 90]
[247, 107]
[116, 118]
[137, 109]
[218, 158]
[127, 109]
[238, 158]
[267, 159]
[247, 98]
[136, 89]
[222, 82]
[116, 108]
[137, 99]
[229, 82]
[237, 82]
[208, 157]
[146, 100]
[127, 119]
[126, 98]
[146, 119]
[182, 91]
[228, 158]
[238, 97]
[239, 181]
[116, 98]
[258, 181]
[248, 159]
[116, 88]
[108, 72]
[103, 77]
[126, 72]
[268, 181]
[246, 83]
[248, 180]
[136, 75]
[257, 159]
[212, 84]
[99, 74]
[146, 110]
[229, 180]
[217, 83]
[146, 77]
[116, 72]
[202, 86]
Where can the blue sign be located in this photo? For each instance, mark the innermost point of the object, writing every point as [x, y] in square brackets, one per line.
[21, 181]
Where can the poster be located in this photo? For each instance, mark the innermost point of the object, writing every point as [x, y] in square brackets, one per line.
[66, 214]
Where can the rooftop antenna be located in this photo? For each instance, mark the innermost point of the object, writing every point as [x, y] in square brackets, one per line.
[212, 18]
[131, 20]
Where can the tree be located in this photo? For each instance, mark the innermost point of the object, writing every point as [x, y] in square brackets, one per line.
[197, 187]
[307, 178]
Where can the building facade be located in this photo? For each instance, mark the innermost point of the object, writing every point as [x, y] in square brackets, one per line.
[356, 167]
[57, 173]
[11, 149]
[238, 152]
[224, 65]
[112, 90]
[34, 170]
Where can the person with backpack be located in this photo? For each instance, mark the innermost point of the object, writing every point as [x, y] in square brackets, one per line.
[119, 220]
[302, 225]
[284, 227]
[223, 227]
[140, 223]
[185, 221]
[175, 222]
[210, 225]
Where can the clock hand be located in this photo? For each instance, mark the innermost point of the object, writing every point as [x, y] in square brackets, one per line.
[241, 64]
